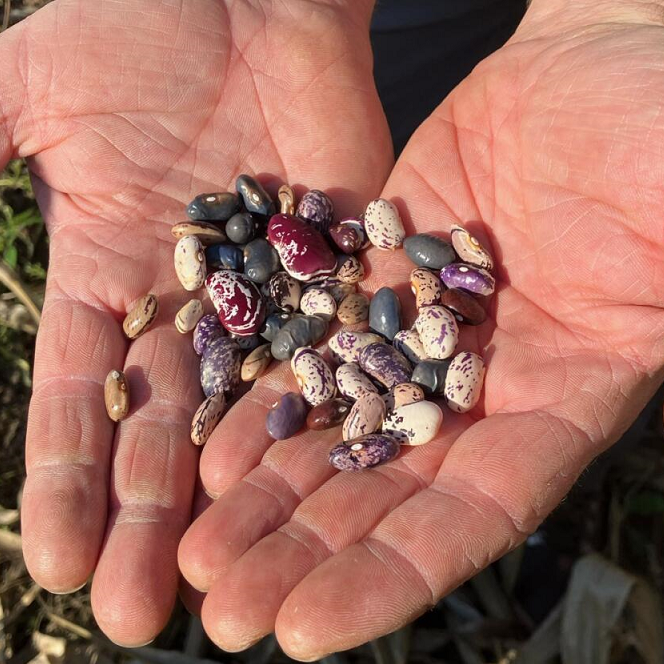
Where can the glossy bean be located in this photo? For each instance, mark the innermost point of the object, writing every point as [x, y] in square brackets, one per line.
[190, 264]
[208, 328]
[116, 395]
[255, 198]
[141, 316]
[430, 375]
[313, 375]
[213, 207]
[285, 291]
[385, 313]
[298, 332]
[237, 300]
[438, 331]
[463, 383]
[318, 302]
[402, 395]
[366, 416]
[206, 418]
[465, 307]
[188, 316]
[329, 414]
[383, 225]
[261, 261]
[241, 227]
[470, 249]
[256, 363]
[287, 416]
[349, 269]
[317, 209]
[409, 343]
[206, 232]
[414, 424]
[367, 451]
[429, 251]
[353, 309]
[345, 346]
[220, 366]
[469, 277]
[426, 287]
[385, 363]
[352, 383]
[224, 256]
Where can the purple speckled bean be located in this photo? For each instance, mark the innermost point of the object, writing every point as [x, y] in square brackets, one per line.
[287, 416]
[352, 383]
[367, 451]
[208, 328]
[402, 395]
[385, 363]
[383, 224]
[316, 208]
[366, 416]
[345, 346]
[409, 343]
[438, 331]
[463, 383]
[314, 377]
[469, 277]
[220, 366]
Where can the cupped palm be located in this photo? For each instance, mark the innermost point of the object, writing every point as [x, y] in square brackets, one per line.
[127, 110]
[556, 143]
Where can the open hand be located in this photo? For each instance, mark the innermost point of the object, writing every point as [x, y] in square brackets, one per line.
[127, 110]
[556, 142]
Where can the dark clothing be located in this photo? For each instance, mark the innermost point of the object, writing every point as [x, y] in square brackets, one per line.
[423, 48]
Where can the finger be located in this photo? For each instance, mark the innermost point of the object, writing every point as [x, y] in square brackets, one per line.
[69, 436]
[263, 500]
[437, 539]
[152, 482]
[192, 598]
[242, 605]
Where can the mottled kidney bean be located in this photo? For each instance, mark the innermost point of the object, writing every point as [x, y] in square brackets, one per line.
[220, 366]
[316, 208]
[438, 331]
[367, 451]
[469, 277]
[463, 383]
[313, 375]
[385, 363]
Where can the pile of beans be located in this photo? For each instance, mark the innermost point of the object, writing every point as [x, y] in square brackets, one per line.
[278, 280]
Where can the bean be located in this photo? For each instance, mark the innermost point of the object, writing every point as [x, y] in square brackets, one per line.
[383, 224]
[224, 256]
[329, 414]
[430, 375]
[346, 346]
[367, 451]
[188, 316]
[285, 291]
[255, 198]
[303, 250]
[286, 199]
[318, 302]
[438, 331]
[261, 261]
[426, 287]
[220, 366]
[207, 329]
[141, 316]
[213, 207]
[273, 323]
[465, 307]
[414, 424]
[469, 277]
[190, 265]
[241, 227]
[206, 418]
[287, 416]
[296, 333]
[470, 249]
[429, 251]
[402, 395]
[346, 238]
[207, 233]
[463, 383]
[353, 309]
[256, 363]
[316, 208]
[116, 395]
[385, 363]
[409, 343]
[237, 300]
[385, 313]
[366, 416]
[349, 270]
[313, 375]
[352, 383]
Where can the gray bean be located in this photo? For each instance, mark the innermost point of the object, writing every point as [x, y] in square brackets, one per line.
[385, 313]
[429, 251]
[430, 375]
[261, 261]
[296, 333]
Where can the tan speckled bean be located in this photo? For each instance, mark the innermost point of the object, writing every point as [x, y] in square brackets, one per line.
[141, 316]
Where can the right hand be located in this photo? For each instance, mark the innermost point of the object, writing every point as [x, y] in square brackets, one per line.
[126, 111]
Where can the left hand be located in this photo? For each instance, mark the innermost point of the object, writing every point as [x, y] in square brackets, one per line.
[557, 143]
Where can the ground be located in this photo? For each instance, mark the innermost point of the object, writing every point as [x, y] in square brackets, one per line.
[587, 587]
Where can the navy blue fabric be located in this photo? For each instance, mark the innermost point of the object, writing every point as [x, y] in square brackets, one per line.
[424, 48]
